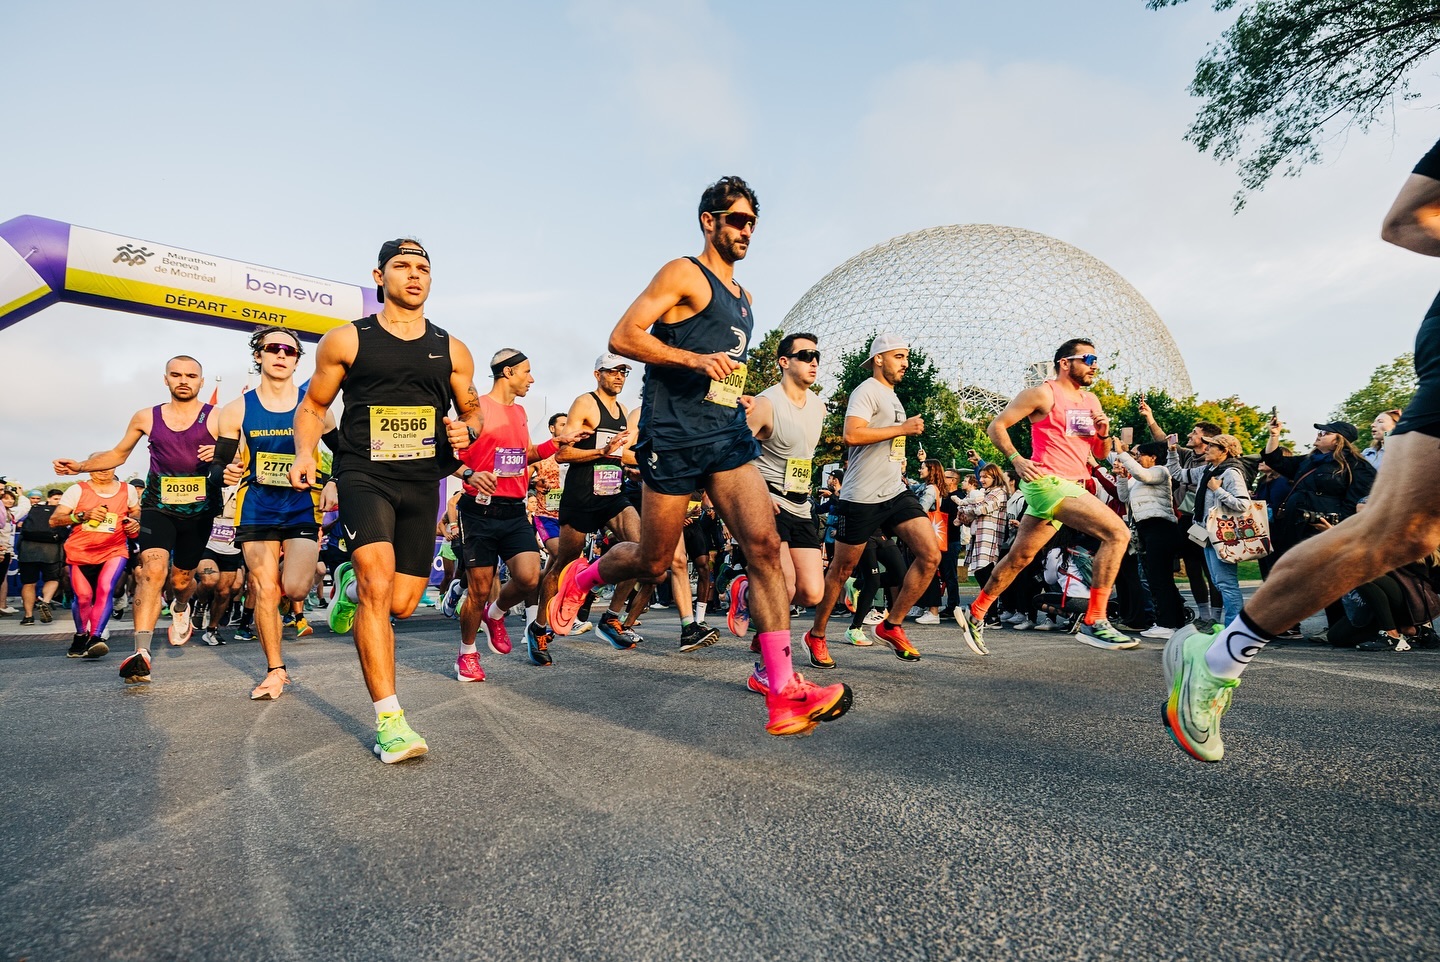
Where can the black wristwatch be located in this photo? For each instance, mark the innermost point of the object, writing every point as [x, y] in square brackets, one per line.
[467, 474]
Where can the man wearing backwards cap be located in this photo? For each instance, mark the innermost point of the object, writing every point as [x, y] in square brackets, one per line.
[400, 375]
[874, 497]
[1068, 432]
[591, 500]
[493, 525]
[691, 327]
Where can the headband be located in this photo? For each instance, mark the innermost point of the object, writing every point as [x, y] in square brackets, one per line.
[514, 360]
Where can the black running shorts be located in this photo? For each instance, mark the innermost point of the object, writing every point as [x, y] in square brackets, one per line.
[589, 515]
[1422, 414]
[183, 538]
[686, 470]
[402, 513]
[225, 562]
[797, 532]
[493, 533]
[857, 522]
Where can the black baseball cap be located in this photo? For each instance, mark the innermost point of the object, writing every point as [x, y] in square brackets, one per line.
[394, 248]
[1342, 428]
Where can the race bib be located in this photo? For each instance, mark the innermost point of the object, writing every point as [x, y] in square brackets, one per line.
[402, 433]
[797, 475]
[897, 448]
[727, 392]
[222, 532]
[607, 479]
[1080, 423]
[109, 525]
[552, 500]
[273, 469]
[182, 490]
[509, 462]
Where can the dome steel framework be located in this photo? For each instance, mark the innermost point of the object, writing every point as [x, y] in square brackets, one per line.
[988, 305]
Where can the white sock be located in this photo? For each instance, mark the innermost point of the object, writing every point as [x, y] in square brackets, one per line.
[1234, 648]
[468, 649]
[700, 611]
[494, 613]
[532, 612]
[352, 592]
[385, 705]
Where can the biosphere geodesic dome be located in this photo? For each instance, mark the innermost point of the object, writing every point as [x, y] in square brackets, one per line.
[988, 305]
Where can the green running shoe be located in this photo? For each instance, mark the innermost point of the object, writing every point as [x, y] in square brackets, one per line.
[974, 630]
[1103, 635]
[1197, 698]
[342, 612]
[396, 741]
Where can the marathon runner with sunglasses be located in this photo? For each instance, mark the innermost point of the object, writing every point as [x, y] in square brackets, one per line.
[691, 327]
[400, 375]
[257, 431]
[1068, 432]
[592, 500]
[786, 418]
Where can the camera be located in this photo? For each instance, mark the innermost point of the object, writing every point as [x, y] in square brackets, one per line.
[1315, 517]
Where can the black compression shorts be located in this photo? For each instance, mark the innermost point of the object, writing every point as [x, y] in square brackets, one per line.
[184, 538]
[401, 513]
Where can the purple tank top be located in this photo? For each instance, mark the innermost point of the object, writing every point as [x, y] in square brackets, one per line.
[174, 454]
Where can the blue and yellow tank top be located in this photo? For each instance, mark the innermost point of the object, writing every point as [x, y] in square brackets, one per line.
[265, 496]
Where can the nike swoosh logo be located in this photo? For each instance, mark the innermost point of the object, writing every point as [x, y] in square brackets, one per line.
[348, 532]
[436, 357]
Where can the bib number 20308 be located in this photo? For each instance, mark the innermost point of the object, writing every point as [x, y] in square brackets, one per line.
[182, 490]
[402, 433]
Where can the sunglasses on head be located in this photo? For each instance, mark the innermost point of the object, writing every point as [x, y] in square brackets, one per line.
[284, 350]
[1089, 360]
[805, 356]
[737, 219]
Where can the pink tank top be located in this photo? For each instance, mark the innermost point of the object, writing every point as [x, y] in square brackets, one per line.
[1064, 440]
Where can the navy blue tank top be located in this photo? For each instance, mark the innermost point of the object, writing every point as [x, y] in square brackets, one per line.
[674, 409]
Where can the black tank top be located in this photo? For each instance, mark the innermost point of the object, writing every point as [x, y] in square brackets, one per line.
[674, 412]
[580, 485]
[396, 394]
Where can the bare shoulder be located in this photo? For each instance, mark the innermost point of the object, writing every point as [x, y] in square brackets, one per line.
[585, 410]
[338, 346]
[143, 420]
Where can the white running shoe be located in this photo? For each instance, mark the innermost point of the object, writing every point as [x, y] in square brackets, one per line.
[1045, 623]
[180, 626]
[1011, 618]
[915, 612]
[1023, 625]
[1159, 631]
[928, 618]
[875, 617]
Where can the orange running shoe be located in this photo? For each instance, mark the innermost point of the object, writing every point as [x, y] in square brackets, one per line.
[895, 638]
[797, 709]
[819, 651]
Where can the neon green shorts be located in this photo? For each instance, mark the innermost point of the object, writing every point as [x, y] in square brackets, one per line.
[447, 553]
[1042, 497]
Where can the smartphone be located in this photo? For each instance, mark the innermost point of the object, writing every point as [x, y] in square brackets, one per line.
[1127, 436]
[1172, 439]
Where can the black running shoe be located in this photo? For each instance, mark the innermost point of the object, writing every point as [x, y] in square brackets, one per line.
[136, 668]
[697, 635]
[614, 632]
[27, 620]
[537, 645]
[78, 646]
[43, 607]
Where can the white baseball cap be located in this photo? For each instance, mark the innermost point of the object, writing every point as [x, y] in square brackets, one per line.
[609, 362]
[884, 343]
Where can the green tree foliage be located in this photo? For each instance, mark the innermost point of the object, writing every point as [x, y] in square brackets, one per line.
[950, 428]
[1286, 70]
[1249, 424]
[764, 369]
[1391, 386]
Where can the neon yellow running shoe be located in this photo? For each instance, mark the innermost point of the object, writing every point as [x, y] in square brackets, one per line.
[1197, 699]
[396, 741]
[342, 609]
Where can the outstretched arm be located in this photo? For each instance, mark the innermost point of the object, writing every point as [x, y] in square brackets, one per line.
[139, 426]
[1413, 221]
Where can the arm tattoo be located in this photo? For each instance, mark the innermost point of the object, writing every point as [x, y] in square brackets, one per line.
[311, 411]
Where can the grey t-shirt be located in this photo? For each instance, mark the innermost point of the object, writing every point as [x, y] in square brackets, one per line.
[875, 472]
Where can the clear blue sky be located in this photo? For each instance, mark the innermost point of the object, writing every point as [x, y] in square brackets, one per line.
[550, 155]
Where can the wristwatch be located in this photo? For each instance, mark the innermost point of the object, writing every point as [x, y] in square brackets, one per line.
[467, 474]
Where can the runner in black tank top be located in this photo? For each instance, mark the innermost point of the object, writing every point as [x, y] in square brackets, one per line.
[400, 375]
[691, 327]
[593, 498]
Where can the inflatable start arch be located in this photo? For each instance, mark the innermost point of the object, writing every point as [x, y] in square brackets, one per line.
[44, 262]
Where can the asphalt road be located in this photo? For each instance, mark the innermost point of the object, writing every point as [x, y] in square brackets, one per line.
[629, 805]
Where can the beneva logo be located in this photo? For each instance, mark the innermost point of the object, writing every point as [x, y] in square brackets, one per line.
[285, 290]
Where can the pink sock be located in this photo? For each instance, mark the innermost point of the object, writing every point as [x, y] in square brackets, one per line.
[589, 577]
[775, 653]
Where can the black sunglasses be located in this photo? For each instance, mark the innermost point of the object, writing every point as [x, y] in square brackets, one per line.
[805, 356]
[284, 350]
[737, 219]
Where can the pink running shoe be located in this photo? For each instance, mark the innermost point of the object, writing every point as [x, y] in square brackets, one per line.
[569, 596]
[499, 638]
[797, 709]
[738, 618]
[467, 668]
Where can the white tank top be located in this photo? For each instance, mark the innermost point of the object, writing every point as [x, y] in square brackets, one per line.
[787, 456]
